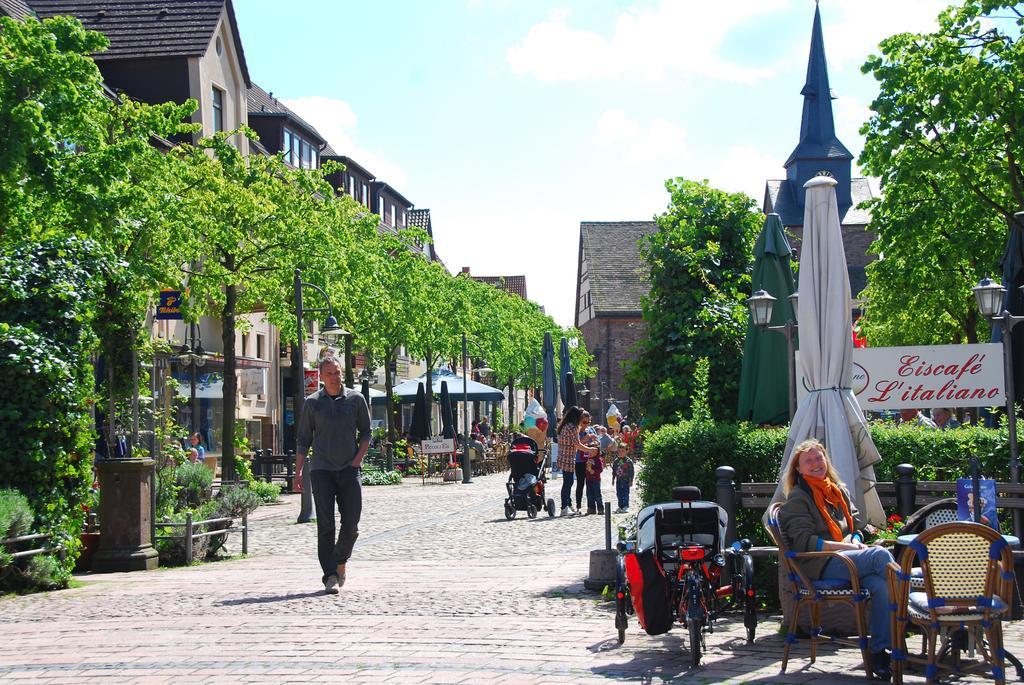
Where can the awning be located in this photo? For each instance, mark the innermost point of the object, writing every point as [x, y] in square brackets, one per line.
[477, 392]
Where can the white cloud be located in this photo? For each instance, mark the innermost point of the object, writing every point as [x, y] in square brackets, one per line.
[854, 30]
[660, 139]
[336, 121]
[850, 114]
[745, 168]
[647, 43]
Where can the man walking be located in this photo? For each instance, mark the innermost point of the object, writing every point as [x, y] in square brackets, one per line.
[336, 422]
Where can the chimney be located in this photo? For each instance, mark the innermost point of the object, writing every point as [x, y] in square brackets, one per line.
[465, 270]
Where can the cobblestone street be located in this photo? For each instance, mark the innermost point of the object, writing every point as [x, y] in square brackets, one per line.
[441, 589]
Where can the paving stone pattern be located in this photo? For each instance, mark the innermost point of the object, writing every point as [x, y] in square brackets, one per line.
[441, 589]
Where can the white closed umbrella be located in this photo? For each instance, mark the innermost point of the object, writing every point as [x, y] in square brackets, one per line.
[830, 412]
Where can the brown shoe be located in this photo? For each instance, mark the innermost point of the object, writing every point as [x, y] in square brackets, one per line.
[341, 575]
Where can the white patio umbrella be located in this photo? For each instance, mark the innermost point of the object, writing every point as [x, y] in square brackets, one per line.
[830, 411]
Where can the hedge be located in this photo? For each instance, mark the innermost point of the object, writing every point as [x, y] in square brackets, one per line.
[688, 453]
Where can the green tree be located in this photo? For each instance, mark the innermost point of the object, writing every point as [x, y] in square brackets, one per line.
[257, 220]
[700, 263]
[946, 138]
[80, 162]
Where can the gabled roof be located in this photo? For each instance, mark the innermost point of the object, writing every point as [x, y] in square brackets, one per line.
[263, 104]
[617, 273]
[149, 28]
[328, 151]
[515, 285]
[420, 218]
[780, 198]
[818, 139]
[16, 9]
[379, 186]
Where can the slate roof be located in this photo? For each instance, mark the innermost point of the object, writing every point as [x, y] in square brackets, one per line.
[817, 126]
[148, 28]
[779, 198]
[16, 9]
[261, 103]
[515, 285]
[617, 274]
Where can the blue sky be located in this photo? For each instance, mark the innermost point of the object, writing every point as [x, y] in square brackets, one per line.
[514, 120]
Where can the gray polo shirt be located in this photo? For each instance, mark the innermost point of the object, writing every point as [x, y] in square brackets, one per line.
[334, 426]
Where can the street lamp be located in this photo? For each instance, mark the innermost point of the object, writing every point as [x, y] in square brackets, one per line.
[193, 356]
[761, 305]
[989, 296]
[467, 470]
[330, 331]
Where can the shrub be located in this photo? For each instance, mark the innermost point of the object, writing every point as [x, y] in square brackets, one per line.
[379, 477]
[266, 493]
[689, 452]
[46, 572]
[15, 514]
[235, 501]
[195, 483]
[170, 542]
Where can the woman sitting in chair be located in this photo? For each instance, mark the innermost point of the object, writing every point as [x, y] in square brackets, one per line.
[819, 516]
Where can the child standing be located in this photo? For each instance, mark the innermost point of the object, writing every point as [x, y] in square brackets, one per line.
[594, 467]
[622, 479]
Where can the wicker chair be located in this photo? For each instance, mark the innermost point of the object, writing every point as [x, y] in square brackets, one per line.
[968, 576]
[814, 594]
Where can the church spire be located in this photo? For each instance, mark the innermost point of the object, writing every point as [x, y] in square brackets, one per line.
[818, 139]
[819, 152]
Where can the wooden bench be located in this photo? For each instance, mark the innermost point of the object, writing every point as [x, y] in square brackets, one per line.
[906, 495]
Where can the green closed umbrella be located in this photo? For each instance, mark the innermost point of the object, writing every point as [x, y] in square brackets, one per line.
[764, 382]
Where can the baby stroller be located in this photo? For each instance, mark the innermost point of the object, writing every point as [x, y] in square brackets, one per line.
[526, 481]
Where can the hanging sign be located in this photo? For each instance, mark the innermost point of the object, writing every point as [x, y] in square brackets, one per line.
[169, 307]
[921, 377]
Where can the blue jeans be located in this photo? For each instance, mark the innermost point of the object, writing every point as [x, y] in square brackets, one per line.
[870, 564]
[567, 479]
[594, 503]
[622, 493]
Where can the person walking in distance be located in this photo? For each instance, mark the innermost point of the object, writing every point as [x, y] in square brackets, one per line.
[335, 421]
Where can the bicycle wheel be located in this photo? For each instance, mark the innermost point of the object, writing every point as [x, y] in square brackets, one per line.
[694, 626]
[749, 598]
[621, 595]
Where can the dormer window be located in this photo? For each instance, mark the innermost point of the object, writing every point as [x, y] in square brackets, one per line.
[298, 152]
[217, 97]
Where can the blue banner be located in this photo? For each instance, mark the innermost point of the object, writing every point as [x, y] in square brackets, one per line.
[169, 307]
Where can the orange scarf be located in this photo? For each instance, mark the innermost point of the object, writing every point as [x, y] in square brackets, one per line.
[824, 490]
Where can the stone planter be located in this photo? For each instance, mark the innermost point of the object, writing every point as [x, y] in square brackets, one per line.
[451, 475]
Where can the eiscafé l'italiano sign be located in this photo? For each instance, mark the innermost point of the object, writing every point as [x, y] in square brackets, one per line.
[925, 377]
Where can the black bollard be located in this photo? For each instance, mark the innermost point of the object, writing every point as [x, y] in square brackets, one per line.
[725, 495]
[906, 490]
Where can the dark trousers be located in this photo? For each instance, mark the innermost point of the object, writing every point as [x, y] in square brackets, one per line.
[567, 479]
[581, 477]
[622, 493]
[344, 488]
[594, 503]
